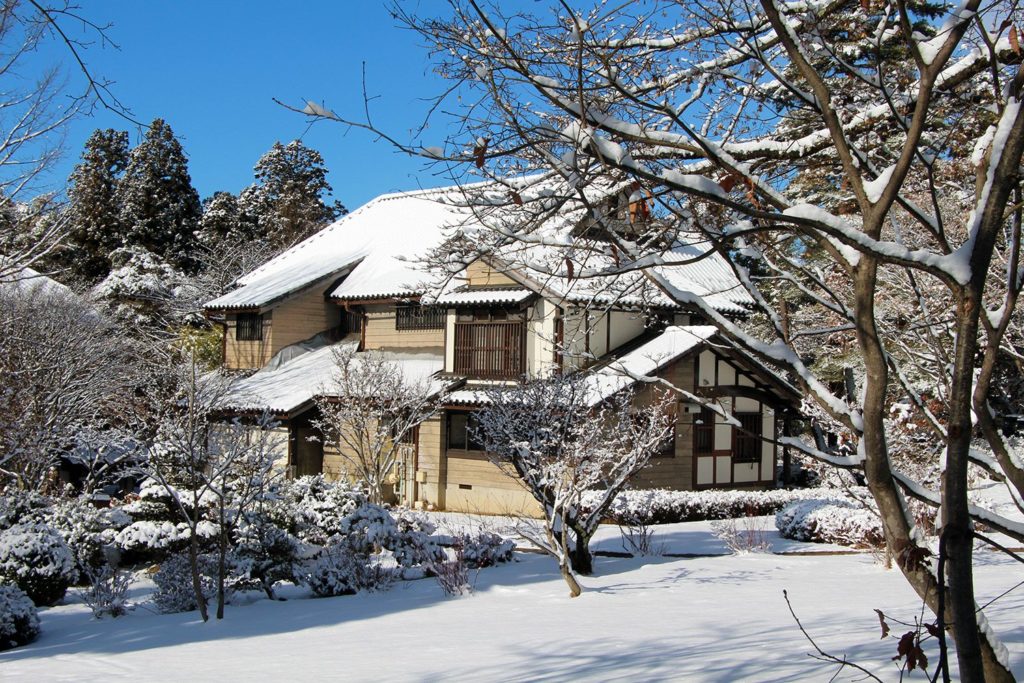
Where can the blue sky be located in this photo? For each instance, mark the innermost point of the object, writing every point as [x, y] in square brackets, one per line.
[211, 68]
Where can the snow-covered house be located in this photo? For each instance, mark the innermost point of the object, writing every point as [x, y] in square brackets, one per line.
[373, 280]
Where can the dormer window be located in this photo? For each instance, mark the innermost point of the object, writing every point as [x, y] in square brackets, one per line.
[249, 327]
[416, 317]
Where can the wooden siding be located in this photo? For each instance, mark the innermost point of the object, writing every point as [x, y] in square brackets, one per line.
[245, 355]
[382, 335]
[477, 485]
[479, 274]
[673, 472]
[300, 317]
[303, 316]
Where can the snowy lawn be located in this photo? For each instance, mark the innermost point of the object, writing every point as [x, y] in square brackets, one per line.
[658, 618]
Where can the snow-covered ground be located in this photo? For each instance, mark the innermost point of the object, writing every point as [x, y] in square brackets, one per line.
[720, 618]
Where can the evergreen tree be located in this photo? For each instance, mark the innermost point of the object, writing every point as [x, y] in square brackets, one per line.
[94, 225]
[291, 198]
[159, 208]
[224, 220]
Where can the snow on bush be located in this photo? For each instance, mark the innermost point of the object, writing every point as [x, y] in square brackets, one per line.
[313, 509]
[174, 588]
[843, 522]
[485, 549]
[147, 535]
[265, 554]
[35, 558]
[87, 530]
[334, 572]
[661, 506]
[19, 621]
[22, 507]
[107, 591]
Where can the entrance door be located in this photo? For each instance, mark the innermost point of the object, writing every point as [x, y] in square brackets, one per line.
[308, 452]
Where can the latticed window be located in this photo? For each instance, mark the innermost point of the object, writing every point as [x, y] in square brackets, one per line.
[249, 327]
[704, 431]
[416, 317]
[748, 438]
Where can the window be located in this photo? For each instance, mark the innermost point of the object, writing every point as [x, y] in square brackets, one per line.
[747, 438]
[704, 431]
[249, 327]
[416, 317]
[463, 432]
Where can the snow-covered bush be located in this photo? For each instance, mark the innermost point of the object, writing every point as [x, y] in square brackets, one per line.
[485, 549]
[265, 554]
[87, 530]
[661, 506]
[174, 589]
[334, 573]
[22, 507]
[36, 558]
[107, 591]
[452, 572]
[313, 509]
[843, 522]
[19, 621]
[743, 535]
[413, 543]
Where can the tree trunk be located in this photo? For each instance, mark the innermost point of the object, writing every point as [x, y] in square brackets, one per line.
[574, 586]
[197, 582]
[222, 553]
[580, 557]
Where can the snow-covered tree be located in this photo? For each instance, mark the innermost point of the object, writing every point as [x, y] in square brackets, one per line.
[562, 440]
[214, 473]
[224, 221]
[158, 207]
[371, 412]
[65, 370]
[94, 226]
[291, 198]
[865, 155]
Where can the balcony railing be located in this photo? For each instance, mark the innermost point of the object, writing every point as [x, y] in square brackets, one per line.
[490, 350]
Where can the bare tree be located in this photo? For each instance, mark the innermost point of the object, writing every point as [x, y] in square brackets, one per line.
[65, 373]
[214, 472]
[561, 438]
[370, 411]
[35, 108]
[863, 157]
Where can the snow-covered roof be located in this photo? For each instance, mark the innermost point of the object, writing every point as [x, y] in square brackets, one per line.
[28, 280]
[374, 248]
[294, 383]
[647, 359]
[377, 252]
[484, 296]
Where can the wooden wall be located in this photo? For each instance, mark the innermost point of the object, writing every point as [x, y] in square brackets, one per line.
[382, 335]
[244, 355]
[479, 274]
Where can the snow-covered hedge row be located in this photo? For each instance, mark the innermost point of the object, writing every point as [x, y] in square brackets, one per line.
[661, 506]
[843, 522]
[19, 621]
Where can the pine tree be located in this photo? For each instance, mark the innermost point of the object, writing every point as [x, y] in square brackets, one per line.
[159, 208]
[224, 220]
[95, 228]
[291, 196]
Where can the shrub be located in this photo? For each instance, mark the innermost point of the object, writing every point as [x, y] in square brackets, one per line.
[413, 543]
[107, 591]
[660, 506]
[334, 573]
[485, 549]
[174, 590]
[23, 507]
[87, 530]
[19, 621]
[452, 573]
[35, 558]
[265, 554]
[831, 521]
[313, 510]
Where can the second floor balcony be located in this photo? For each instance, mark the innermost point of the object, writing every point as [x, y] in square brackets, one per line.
[493, 349]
